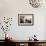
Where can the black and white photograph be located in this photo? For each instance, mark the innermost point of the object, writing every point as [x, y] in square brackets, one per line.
[25, 19]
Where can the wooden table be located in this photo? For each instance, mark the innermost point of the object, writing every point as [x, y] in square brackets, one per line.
[28, 43]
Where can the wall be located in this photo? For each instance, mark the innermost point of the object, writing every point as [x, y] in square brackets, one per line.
[11, 8]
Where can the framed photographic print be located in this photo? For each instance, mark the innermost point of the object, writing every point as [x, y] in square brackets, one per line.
[25, 19]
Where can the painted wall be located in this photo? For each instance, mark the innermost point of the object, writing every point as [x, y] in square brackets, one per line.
[11, 8]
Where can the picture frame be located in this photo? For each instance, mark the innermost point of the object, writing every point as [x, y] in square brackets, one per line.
[25, 19]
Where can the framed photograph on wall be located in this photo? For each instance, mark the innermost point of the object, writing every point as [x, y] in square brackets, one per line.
[25, 19]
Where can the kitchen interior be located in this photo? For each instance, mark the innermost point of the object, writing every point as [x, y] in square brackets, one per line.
[22, 23]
